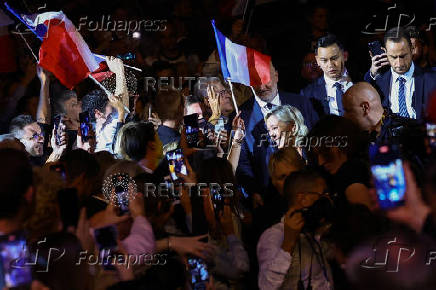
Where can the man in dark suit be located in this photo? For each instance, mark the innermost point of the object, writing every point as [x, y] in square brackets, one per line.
[326, 92]
[252, 171]
[405, 87]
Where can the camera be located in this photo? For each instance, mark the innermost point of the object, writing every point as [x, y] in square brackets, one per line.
[317, 214]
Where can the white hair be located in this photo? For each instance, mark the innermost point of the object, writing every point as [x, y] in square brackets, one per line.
[290, 115]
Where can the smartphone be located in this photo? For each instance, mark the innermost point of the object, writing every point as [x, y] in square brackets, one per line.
[15, 272]
[388, 173]
[176, 163]
[220, 125]
[217, 200]
[191, 129]
[123, 200]
[57, 122]
[375, 48]
[106, 239]
[85, 125]
[199, 273]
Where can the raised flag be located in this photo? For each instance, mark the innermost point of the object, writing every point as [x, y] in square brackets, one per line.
[242, 64]
[63, 50]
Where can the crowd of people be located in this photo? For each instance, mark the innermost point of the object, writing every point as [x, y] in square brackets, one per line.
[174, 179]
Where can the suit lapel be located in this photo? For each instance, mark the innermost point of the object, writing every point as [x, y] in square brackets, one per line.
[419, 91]
[322, 93]
[385, 87]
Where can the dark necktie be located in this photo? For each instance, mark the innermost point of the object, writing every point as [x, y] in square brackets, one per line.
[339, 94]
[269, 106]
[402, 98]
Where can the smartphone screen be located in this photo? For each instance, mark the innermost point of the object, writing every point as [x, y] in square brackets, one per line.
[106, 239]
[176, 163]
[13, 263]
[375, 48]
[388, 173]
[57, 122]
[191, 129]
[199, 273]
[219, 126]
[217, 200]
[123, 199]
[85, 125]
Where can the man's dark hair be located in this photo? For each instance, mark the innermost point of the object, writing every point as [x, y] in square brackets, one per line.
[192, 99]
[16, 178]
[169, 104]
[60, 99]
[18, 123]
[135, 137]
[299, 181]
[161, 65]
[336, 131]
[396, 34]
[95, 100]
[326, 41]
[79, 161]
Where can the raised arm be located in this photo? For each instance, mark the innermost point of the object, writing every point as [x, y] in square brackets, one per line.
[43, 112]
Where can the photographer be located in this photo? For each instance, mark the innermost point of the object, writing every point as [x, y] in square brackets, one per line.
[290, 255]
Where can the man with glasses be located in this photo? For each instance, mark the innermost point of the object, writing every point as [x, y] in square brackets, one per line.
[290, 257]
[27, 130]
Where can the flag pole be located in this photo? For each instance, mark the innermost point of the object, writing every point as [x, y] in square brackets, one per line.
[233, 96]
[40, 38]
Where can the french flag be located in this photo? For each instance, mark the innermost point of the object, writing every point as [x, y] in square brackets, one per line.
[242, 64]
[63, 50]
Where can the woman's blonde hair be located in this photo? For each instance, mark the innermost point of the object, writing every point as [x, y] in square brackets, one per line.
[289, 114]
[287, 154]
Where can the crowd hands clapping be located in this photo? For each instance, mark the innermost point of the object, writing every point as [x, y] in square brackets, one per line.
[172, 187]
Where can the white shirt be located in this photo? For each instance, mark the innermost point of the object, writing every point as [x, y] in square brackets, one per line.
[345, 82]
[105, 133]
[263, 105]
[409, 89]
[277, 265]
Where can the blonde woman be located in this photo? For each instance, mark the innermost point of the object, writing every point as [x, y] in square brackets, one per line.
[285, 125]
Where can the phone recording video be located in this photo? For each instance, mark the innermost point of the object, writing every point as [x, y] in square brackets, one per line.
[15, 272]
[199, 273]
[431, 135]
[220, 125]
[123, 200]
[217, 200]
[387, 170]
[375, 48]
[191, 129]
[57, 122]
[85, 125]
[176, 163]
[106, 239]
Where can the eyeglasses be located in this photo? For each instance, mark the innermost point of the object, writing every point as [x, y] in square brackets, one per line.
[224, 93]
[325, 193]
[36, 136]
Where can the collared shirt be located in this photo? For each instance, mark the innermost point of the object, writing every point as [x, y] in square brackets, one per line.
[263, 105]
[409, 89]
[105, 133]
[277, 266]
[345, 82]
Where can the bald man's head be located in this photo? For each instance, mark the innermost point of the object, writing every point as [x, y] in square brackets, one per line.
[362, 104]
